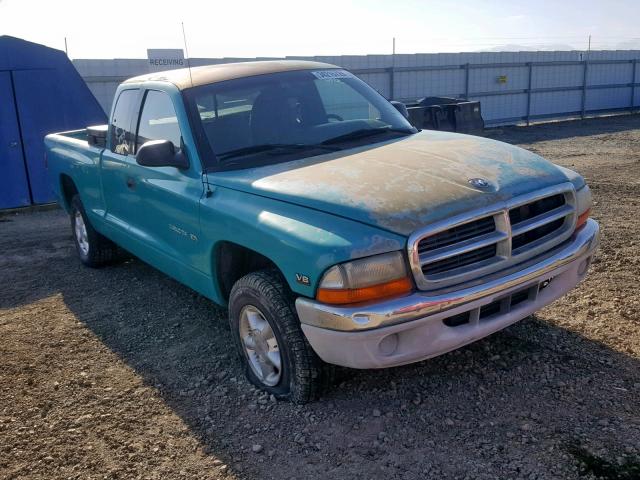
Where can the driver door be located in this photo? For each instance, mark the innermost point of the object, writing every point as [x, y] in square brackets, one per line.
[165, 221]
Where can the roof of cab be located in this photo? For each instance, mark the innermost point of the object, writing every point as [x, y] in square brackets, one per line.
[182, 79]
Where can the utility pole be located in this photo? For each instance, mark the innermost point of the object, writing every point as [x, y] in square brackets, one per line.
[589, 46]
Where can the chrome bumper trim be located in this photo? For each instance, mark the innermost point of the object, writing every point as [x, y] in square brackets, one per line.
[421, 304]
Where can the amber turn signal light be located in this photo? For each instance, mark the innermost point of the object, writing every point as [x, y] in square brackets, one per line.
[582, 219]
[343, 296]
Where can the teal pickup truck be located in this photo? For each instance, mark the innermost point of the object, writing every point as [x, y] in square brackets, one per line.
[334, 231]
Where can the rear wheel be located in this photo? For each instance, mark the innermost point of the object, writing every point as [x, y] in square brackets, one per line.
[94, 249]
[275, 354]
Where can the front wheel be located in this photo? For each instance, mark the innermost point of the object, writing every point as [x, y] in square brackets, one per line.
[275, 354]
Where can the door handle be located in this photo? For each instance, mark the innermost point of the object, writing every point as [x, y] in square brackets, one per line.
[131, 183]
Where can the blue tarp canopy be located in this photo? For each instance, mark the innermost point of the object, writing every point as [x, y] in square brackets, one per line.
[40, 92]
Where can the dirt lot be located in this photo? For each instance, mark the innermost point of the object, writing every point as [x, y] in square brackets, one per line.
[124, 373]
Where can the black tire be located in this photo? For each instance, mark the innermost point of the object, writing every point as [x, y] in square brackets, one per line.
[101, 251]
[303, 375]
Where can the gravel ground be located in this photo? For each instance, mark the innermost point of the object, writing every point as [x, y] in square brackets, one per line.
[124, 373]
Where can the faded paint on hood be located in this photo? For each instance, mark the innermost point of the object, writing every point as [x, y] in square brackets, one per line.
[403, 184]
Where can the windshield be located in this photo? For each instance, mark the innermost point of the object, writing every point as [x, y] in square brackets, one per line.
[281, 116]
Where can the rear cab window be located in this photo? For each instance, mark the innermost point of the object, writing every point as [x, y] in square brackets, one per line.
[121, 135]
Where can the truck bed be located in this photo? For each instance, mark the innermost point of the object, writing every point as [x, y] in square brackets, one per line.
[69, 152]
[75, 139]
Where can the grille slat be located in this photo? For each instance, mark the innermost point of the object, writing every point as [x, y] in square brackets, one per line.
[482, 245]
[540, 220]
[466, 246]
[530, 210]
[460, 246]
[457, 234]
[531, 236]
[459, 261]
[533, 221]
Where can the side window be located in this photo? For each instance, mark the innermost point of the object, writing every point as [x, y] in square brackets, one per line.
[158, 120]
[121, 135]
[342, 101]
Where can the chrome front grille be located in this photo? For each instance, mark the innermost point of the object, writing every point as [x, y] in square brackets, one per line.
[469, 246]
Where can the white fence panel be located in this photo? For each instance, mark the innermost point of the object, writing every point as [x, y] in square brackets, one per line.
[513, 87]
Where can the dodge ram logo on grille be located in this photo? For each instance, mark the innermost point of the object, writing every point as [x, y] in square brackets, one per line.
[480, 183]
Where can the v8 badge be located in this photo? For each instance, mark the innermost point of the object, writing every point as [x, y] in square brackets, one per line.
[303, 279]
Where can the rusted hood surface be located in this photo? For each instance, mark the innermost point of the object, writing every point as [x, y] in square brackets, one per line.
[404, 184]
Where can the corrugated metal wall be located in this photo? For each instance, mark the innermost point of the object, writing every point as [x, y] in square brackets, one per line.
[40, 93]
[512, 86]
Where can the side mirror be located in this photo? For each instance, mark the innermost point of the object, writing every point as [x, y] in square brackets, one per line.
[161, 153]
[97, 136]
[402, 108]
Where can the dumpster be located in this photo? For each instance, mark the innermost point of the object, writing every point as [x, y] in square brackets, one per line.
[446, 113]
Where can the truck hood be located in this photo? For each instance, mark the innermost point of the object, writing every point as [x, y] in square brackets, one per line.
[403, 184]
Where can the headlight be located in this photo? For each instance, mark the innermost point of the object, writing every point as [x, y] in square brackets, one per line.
[583, 200]
[365, 279]
[583, 206]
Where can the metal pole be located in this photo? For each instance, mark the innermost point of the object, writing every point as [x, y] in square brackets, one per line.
[584, 89]
[584, 79]
[466, 81]
[392, 71]
[66, 51]
[634, 63]
[391, 82]
[529, 93]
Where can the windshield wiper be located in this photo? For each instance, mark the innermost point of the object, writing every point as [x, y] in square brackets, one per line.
[275, 148]
[366, 132]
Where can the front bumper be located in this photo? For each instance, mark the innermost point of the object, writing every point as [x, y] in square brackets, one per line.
[412, 328]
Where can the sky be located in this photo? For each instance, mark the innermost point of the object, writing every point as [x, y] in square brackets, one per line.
[242, 28]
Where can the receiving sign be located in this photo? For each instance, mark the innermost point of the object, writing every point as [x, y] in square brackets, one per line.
[165, 59]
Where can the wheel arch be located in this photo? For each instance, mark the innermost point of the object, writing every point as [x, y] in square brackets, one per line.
[68, 190]
[232, 261]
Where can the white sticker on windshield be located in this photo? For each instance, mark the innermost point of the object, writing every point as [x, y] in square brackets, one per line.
[331, 74]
